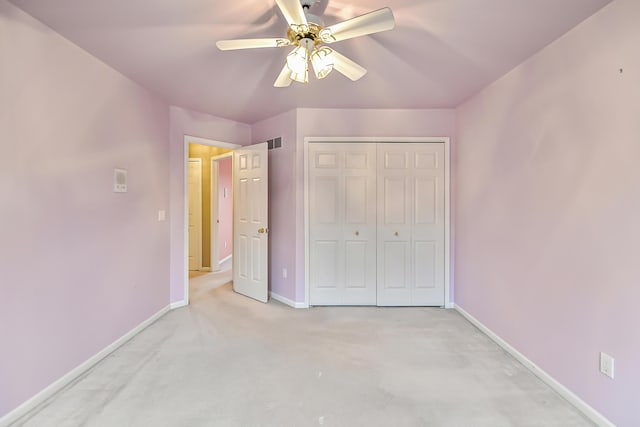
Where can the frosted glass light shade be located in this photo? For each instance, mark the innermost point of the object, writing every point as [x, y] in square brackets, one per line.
[322, 62]
[298, 63]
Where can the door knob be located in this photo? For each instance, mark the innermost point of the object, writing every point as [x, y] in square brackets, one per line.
[261, 230]
[357, 233]
[395, 234]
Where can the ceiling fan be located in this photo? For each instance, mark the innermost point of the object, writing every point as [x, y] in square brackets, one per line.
[308, 35]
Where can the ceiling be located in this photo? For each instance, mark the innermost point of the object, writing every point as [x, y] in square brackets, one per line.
[440, 53]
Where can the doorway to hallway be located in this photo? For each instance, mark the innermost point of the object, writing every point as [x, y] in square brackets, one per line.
[246, 213]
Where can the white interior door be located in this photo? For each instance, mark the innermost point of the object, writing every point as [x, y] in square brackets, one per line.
[342, 215]
[250, 221]
[195, 214]
[411, 224]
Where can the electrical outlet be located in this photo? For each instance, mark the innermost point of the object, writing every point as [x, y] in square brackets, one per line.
[162, 215]
[606, 365]
[284, 273]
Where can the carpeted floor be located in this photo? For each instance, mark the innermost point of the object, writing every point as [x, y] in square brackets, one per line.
[227, 360]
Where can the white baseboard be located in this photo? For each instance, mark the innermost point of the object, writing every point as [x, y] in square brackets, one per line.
[287, 301]
[580, 404]
[178, 304]
[225, 259]
[449, 304]
[70, 376]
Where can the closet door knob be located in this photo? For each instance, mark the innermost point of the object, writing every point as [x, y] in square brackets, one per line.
[357, 233]
[395, 234]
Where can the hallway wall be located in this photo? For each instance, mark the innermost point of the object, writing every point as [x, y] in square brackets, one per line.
[205, 153]
[225, 208]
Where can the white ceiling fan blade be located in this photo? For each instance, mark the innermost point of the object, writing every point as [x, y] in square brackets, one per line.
[347, 67]
[251, 43]
[292, 11]
[372, 22]
[284, 78]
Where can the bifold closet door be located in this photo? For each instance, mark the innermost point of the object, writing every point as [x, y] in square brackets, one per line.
[342, 229]
[410, 232]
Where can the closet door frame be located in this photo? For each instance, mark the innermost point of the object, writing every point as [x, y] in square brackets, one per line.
[447, 201]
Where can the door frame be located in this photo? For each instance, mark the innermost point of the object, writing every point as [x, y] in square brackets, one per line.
[185, 202]
[199, 228]
[215, 210]
[448, 303]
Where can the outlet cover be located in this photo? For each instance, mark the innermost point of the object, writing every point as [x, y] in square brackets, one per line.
[606, 365]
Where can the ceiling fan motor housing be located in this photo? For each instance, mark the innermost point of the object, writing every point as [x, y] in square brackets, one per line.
[306, 4]
[310, 31]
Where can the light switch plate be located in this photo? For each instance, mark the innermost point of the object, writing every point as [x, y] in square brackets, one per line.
[162, 215]
[606, 365]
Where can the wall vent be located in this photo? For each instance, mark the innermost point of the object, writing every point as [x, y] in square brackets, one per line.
[274, 143]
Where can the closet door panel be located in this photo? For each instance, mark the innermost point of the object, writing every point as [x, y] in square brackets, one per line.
[427, 228]
[359, 224]
[394, 225]
[425, 202]
[425, 262]
[326, 264]
[411, 209]
[325, 197]
[342, 210]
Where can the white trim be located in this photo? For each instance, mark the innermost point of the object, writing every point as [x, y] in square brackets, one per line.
[70, 376]
[448, 301]
[307, 240]
[287, 301]
[225, 259]
[185, 188]
[178, 304]
[448, 298]
[222, 156]
[567, 394]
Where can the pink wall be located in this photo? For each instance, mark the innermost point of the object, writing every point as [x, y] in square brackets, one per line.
[79, 265]
[282, 209]
[340, 122]
[548, 201]
[225, 208]
[186, 122]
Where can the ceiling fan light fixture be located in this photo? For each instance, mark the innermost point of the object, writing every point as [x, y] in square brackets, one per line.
[307, 33]
[300, 77]
[298, 63]
[322, 61]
